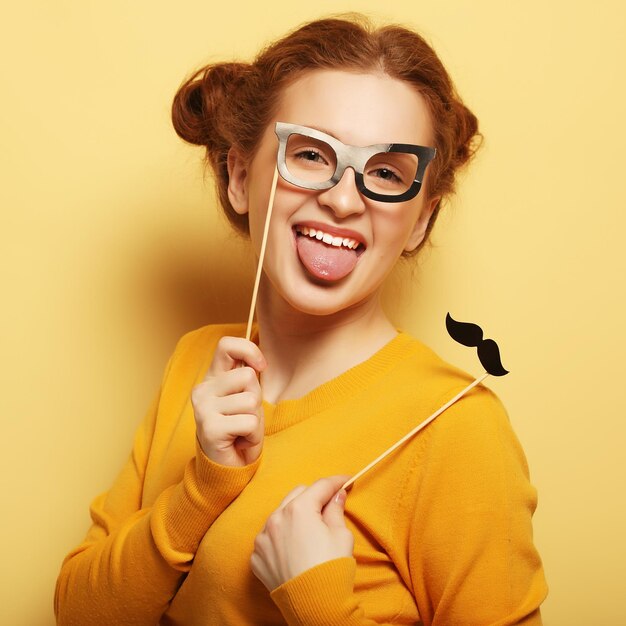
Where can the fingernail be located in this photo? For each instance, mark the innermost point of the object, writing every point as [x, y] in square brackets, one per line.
[340, 498]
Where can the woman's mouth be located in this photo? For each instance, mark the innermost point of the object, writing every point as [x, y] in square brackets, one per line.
[326, 256]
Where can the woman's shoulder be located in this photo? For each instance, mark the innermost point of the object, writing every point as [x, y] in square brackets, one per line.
[427, 379]
[474, 434]
[418, 366]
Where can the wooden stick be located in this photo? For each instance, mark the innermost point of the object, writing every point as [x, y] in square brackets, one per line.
[259, 269]
[415, 430]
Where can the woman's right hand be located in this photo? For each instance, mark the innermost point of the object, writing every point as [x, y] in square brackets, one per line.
[227, 404]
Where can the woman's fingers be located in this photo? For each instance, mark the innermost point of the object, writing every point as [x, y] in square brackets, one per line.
[235, 381]
[227, 404]
[231, 351]
[245, 425]
[294, 493]
[321, 492]
[235, 391]
[244, 402]
[234, 440]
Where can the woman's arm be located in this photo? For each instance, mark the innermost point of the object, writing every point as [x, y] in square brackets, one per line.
[133, 559]
[129, 567]
[467, 509]
[471, 553]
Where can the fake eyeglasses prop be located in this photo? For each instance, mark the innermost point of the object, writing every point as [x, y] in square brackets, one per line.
[387, 172]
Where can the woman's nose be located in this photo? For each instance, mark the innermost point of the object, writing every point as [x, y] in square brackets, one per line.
[344, 198]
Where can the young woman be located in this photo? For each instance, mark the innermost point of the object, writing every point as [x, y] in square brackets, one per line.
[229, 510]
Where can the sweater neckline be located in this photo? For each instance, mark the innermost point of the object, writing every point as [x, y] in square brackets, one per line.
[286, 413]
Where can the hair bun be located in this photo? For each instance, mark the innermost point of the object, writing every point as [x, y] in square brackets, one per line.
[199, 100]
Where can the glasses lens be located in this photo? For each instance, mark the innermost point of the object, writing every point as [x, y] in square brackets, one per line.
[390, 173]
[309, 160]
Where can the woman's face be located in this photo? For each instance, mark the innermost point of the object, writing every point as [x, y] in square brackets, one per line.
[312, 276]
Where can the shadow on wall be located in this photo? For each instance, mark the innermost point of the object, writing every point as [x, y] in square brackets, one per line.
[136, 296]
[190, 276]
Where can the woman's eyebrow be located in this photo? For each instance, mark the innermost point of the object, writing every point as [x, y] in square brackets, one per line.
[326, 131]
[321, 129]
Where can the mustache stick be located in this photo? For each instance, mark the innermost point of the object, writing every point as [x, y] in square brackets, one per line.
[416, 430]
[259, 269]
[467, 334]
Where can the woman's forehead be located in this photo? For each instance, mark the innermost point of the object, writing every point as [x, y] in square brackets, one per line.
[357, 108]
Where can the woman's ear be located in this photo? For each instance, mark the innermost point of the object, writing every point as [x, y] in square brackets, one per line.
[237, 181]
[421, 225]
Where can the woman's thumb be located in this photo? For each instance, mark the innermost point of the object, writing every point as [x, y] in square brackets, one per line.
[333, 511]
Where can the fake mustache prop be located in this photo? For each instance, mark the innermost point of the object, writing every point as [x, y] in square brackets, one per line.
[467, 334]
[471, 335]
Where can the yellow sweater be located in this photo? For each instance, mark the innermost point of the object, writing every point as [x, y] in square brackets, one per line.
[442, 527]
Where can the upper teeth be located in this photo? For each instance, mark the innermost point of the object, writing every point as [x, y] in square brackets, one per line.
[327, 238]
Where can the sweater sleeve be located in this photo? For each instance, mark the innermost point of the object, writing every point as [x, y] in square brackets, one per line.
[471, 552]
[322, 596]
[465, 517]
[133, 559]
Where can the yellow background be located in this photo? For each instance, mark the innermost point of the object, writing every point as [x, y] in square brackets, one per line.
[111, 248]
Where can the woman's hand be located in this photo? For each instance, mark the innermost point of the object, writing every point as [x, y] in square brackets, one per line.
[305, 530]
[227, 404]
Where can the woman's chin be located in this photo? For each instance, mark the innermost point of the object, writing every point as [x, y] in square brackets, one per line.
[319, 298]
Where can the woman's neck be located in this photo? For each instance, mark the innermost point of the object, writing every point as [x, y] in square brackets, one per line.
[303, 351]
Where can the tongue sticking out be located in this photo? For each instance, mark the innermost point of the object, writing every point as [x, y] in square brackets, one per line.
[325, 261]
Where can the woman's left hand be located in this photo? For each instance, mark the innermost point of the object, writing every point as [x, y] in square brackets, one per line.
[305, 530]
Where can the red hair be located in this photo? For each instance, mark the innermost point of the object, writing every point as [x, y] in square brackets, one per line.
[226, 105]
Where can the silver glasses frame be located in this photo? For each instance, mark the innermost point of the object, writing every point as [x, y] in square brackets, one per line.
[355, 157]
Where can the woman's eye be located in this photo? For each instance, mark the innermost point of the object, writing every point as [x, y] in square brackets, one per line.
[386, 175]
[310, 155]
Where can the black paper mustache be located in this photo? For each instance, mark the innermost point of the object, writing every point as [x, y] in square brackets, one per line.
[471, 335]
